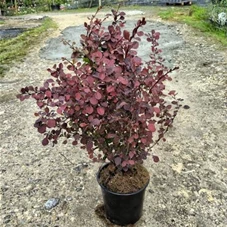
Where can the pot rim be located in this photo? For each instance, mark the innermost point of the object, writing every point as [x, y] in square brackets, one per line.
[115, 193]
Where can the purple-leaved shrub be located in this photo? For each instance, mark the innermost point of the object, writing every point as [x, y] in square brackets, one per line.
[106, 98]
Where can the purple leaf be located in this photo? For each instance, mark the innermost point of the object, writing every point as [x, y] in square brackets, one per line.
[131, 162]
[117, 161]
[45, 141]
[101, 111]
[95, 121]
[51, 123]
[42, 129]
[98, 95]
[155, 158]
[151, 127]
[126, 34]
[93, 101]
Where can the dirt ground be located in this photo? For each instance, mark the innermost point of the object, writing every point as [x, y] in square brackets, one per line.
[188, 187]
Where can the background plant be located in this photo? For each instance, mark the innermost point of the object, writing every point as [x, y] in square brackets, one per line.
[199, 18]
[14, 49]
[217, 7]
[112, 102]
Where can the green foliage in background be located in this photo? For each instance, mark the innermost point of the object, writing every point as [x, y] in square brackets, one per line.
[200, 18]
[13, 50]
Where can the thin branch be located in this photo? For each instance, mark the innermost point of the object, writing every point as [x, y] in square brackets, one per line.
[67, 159]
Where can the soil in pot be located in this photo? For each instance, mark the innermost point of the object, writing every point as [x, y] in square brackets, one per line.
[123, 193]
[124, 182]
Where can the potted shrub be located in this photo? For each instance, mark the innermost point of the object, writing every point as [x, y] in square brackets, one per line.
[113, 104]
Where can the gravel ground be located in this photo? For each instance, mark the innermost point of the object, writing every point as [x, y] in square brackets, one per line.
[188, 186]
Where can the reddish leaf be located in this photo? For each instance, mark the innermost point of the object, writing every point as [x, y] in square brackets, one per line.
[135, 45]
[51, 123]
[89, 145]
[47, 110]
[102, 76]
[104, 104]
[97, 54]
[123, 80]
[95, 121]
[151, 127]
[124, 164]
[172, 92]
[74, 143]
[67, 97]
[131, 154]
[69, 67]
[156, 35]
[71, 111]
[137, 61]
[93, 101]
[140, 33]
[110, 89]
[84, 140]
[87, 90]
[144, 140]
[156, 110]
[121, 14]
[98, 95]
[40, 104]
[155, 158]
[90, 80]
[78, 96]
[90, 118]
[131, 139]
[131, 162]
[82, 125]
[60, 65]
[45, 141]
[89, 109]
[95, 160]
[117, 161]
[126, 34]
[101, 111]
[83, 36]
[42, 129]
[77, 108]
[48, 94]
[59, 110]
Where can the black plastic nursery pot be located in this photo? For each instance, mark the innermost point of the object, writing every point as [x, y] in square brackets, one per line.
[122, 209]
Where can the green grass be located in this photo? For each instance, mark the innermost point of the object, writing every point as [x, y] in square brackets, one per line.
[198, 18]
[13, 50]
